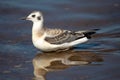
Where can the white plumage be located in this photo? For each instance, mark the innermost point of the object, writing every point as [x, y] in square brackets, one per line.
[47, 39]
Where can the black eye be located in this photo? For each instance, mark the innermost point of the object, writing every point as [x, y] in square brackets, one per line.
[33, 15]
[39, 18]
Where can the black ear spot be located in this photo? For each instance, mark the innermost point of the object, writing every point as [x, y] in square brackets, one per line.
[39, 18]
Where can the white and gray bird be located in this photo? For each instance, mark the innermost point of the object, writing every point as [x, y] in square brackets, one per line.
[47, 39]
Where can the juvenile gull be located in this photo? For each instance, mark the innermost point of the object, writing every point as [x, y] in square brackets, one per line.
[47, 39]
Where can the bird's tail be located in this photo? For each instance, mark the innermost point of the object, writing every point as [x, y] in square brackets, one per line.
[88, 33]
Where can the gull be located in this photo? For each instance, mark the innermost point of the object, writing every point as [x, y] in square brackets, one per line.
[48, 40]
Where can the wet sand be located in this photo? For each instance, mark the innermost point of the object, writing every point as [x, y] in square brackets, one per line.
[17, 51]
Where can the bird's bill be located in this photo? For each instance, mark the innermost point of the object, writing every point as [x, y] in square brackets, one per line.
[24, 18]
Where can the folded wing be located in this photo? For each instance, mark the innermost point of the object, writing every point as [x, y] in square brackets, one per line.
[64, 37]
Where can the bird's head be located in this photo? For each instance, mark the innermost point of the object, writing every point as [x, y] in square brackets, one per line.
[35, 16]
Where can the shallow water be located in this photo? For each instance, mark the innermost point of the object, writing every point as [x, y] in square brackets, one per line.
[17, 51]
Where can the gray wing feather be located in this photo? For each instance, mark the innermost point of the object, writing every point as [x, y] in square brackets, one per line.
[64, 37]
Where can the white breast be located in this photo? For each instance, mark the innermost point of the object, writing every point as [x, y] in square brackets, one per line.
[41, 44]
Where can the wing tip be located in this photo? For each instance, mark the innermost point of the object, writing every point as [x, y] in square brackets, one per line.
[89, 33]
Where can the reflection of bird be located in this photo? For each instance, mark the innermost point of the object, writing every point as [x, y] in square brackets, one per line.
[55, 39]
[50, 62]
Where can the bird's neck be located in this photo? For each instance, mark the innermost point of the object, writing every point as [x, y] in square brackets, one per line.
[37, 30]
[37, 26]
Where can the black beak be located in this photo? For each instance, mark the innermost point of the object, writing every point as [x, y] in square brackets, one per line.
[23, 18]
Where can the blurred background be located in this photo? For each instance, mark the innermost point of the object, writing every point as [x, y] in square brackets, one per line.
[17, 51]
